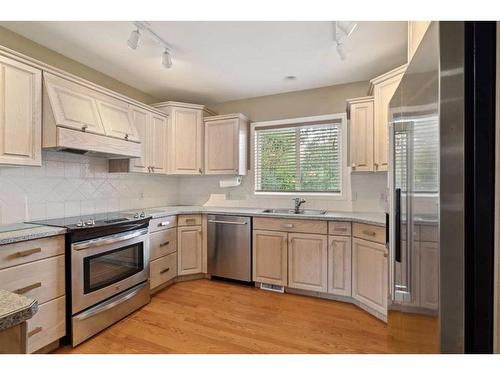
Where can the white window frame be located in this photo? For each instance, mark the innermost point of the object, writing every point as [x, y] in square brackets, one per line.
[301, 121]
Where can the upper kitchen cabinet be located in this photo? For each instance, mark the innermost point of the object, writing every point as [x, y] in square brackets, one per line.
[84, 119]
[226, 144]
[20, 113]
[185, 136]
[152, 132]
[360, 115]
[383, 88]
[416, 31]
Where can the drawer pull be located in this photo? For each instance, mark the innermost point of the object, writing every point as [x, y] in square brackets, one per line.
[164, 243]
[28, 288]
[370, 233]
[191, 220]
[35, 331]
[163, 223]
[287, 225]
[165, 270]
[26, 253]
[343, 229]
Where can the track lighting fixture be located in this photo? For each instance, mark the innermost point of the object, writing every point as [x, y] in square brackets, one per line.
[341, 31]
[133, 40]
[166, 60]
[144, 28]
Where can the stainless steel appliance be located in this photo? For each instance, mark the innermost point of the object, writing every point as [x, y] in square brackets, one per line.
[441, 175]
[107, 270]
[230, 247]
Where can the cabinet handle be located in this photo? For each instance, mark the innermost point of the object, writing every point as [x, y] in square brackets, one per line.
[369, 233]
[165, 270]
[35, 331]
[28, 288]
[287, 225]
[353, 166]
[385, 255]
[163, 223]
[126, 137]
[153, 169]
[26, 253]
[340, 229]
[164, 243]
[199, 170]
[190, 220]
[84, 127]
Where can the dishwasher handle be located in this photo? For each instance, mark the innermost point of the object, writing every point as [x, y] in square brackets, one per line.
[228, 222]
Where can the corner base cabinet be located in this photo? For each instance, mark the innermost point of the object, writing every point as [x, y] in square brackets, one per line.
[190, 245]
[369, 274]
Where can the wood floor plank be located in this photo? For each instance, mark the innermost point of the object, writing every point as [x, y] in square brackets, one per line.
[206, 316]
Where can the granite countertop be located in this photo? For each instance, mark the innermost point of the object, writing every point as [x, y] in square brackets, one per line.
[15, 309]
[360, 217]
[23, 232]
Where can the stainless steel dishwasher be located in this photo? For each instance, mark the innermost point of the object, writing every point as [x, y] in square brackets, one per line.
[230, 247]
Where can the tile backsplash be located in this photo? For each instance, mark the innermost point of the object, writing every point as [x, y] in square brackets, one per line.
[72, 185]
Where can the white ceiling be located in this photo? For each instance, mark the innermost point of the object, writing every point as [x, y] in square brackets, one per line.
[219, 61]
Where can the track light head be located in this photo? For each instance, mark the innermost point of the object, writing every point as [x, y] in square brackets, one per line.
[341, 50]
[133, 40]
[166, 59]
[347, 27]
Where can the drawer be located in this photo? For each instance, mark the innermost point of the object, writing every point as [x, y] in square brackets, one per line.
[185, 220]
[290, 225]
[162, 270]
[162, 243]
[42, 280]
[429, 233]
[162, 223]
[339, 228]
[47, 325]
[29, 251]
[367, 232]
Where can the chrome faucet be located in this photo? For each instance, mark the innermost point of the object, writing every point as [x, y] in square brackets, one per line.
[298, 203]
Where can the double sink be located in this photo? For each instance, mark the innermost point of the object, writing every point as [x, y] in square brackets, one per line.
[287, 211]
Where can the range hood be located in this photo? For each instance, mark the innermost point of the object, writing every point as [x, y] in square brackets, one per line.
[81, 120]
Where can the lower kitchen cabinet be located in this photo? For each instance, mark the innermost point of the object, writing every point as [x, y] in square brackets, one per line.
[189, 242]
[162, 270]
[47, 325]
[428, 271]
[307, 261]
[369, 274]
[339, 265]
[270, 257]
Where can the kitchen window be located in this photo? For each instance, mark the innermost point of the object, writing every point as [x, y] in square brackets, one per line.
[300, 157]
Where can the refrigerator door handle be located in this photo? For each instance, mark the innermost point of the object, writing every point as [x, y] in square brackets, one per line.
[397, 226]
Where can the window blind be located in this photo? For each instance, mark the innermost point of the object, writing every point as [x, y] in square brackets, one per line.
[423, 140]
[298, 159]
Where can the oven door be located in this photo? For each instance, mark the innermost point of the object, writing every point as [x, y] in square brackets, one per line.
[106, 266]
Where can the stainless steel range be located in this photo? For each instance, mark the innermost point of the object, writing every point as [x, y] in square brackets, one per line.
[107, 270]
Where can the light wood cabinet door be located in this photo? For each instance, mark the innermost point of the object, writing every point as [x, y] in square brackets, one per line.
[20, 113]
[141, 120]
[117, 120]
[307, 262]
[158, 143]
[428, 262]
[189, 242]
[221, 147]
[361, 136]
[186, 144]
[73, 105]
[47, 325]
[339, 265]
[383, 93]
[270, 254]
[369, 274]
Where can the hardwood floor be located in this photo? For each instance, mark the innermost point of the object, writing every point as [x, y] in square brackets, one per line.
[205, 316]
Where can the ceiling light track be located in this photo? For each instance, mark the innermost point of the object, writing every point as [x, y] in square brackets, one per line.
[144, 28]
[341, 31]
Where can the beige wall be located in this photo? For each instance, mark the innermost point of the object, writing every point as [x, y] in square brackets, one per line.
[26, 46]
[320, 101]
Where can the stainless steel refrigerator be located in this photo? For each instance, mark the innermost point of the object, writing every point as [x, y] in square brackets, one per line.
[441, 131]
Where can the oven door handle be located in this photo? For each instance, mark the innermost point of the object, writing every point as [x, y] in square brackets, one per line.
[115, 301]
[109, 239]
